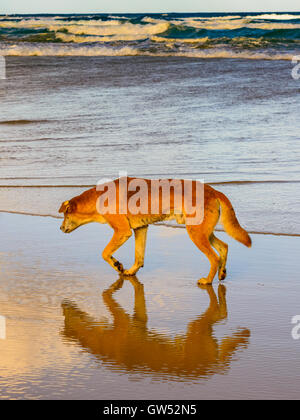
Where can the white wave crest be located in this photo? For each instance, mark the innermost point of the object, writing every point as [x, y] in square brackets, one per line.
[215, 24]
[91, 38]
[274, 16]
[225, 24]
[270, 26]
[64, 50]
[128, 29]
[114, 28]
[117, 17]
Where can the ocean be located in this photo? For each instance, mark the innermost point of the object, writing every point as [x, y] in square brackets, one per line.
[201, 96]
[202, 35]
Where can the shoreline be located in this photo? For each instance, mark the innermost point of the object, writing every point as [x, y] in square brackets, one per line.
[160, 224]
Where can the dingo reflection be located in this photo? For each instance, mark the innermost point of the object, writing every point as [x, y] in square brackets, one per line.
[128, 344]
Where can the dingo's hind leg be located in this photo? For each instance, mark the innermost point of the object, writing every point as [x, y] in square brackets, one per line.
[200, 235]
[200, 239]
[222, 248]
[140, 245]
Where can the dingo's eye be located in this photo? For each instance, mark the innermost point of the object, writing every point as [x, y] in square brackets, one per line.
[66, 207]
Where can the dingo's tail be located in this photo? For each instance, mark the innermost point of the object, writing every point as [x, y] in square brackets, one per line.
[230, 222]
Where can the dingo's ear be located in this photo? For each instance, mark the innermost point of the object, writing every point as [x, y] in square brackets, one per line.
[67, 207]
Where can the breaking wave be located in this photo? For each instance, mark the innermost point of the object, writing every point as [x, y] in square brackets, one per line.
[257, 36]
[96, 50]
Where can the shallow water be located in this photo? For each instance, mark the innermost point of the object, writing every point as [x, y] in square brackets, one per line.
[67, 122]
[158, 335]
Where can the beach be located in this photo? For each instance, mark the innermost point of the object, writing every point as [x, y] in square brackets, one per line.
[156, 336]
[212, 97]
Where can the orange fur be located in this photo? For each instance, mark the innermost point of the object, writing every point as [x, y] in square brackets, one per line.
[83, 209]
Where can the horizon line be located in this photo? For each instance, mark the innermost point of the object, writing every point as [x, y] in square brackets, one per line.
[141, 13]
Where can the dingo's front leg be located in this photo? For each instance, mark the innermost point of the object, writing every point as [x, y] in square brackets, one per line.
[117, 240]
[140, 245]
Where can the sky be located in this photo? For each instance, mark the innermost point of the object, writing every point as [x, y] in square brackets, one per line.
[143, 6]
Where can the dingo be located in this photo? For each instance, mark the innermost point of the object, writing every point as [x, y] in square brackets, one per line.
[85, 209]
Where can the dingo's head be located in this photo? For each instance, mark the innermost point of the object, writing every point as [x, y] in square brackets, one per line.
[80, 210]
[72, 218]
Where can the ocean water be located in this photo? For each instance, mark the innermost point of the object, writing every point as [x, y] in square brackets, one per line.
[245, 35]
[200, 96]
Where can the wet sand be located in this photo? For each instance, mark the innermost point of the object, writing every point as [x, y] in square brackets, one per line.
[75, 330]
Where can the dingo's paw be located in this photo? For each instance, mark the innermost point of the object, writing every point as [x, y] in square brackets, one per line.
[130, 272]
[204, 280]
[119, 267]
[222, 273]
